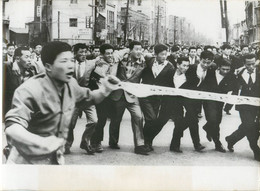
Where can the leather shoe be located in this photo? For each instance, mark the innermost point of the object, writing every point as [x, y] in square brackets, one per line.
[227, 112]
[114, 146]
[208, 135]
[99, 148]
[220, 148]
[141, 150]
[229, 146]
[176, 149]
[257, 157]
[149, 147]
[6, 151]
[67, 150]
[199, 148]
[88, 148]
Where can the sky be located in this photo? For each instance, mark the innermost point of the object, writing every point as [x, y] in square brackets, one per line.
[205, 14]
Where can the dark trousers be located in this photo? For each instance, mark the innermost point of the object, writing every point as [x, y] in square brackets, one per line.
[213, 113]
[136, 121]
[156, 112]
[190, 120]
[249, 128]
[91, 116]
[105, 110]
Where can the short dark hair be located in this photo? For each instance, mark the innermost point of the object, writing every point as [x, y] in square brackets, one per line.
[248, 57]
[226, 46]
[18, 51]
[37, 45]
[175, 48]
[184, 48]
[78, 46]
[243, 46]
[223, 62]
[207, 55]
[133, 43]
[105, 47]
[207, 47]
[192, 47]
[182, 58]
[199, 47]
[159, 48]
[52, 49]
[10, 44]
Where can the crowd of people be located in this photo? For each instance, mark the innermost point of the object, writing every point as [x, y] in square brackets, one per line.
[47, 89]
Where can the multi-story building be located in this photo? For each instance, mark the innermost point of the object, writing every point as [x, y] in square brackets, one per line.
[252, 10]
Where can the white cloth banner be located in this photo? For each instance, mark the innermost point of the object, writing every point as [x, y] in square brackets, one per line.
[144, 90]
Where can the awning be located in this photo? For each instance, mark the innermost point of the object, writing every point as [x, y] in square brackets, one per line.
[20, 30]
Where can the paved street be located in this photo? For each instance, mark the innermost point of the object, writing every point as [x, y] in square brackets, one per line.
[161, 155]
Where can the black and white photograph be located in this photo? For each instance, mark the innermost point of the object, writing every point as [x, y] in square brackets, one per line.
[130, 95]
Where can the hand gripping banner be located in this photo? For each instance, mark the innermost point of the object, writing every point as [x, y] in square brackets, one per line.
[144, 90]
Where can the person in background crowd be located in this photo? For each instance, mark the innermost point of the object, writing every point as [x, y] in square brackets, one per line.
[214, 50]
[94, 54]
[129, 70]
[8, 57]
[22, 57]
[220, 81]
[185, 51]
[82, 74]
[38, 123]
[199, 50]
[36, 57]
[208, 48]
[156, 109]
[248, 85]
[175, 53]
[192, 56]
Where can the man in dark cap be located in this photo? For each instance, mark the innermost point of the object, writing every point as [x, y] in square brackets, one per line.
[156, 109]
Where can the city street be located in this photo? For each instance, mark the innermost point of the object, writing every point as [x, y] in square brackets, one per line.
[161, 155]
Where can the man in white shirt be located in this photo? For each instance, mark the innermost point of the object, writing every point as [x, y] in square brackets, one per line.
[82, 74]
[222, 81]
[247, 85]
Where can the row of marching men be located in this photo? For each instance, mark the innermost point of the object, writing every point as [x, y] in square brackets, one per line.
[150, 114]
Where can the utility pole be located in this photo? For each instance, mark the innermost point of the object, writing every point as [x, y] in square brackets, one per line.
[226, 20]
[95, 22]
[58, 25]
[126, 21]
[157, 27]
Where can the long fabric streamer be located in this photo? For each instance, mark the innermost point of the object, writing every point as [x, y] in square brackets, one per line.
[144, 90]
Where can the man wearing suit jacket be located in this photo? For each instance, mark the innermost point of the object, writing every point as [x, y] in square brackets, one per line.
[22, 57]
[107, 65]
[12, 81]
[129, 71]
[83, 69]
[156, 109]
[195, 79]
[248, 85]
[220, 81]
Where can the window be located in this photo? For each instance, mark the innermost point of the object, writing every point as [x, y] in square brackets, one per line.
[132, 2]
[139, 2]
[73, 1]
[73, 22]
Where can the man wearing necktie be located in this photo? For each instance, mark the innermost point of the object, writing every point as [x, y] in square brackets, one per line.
[247, 85]
[82, 74]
